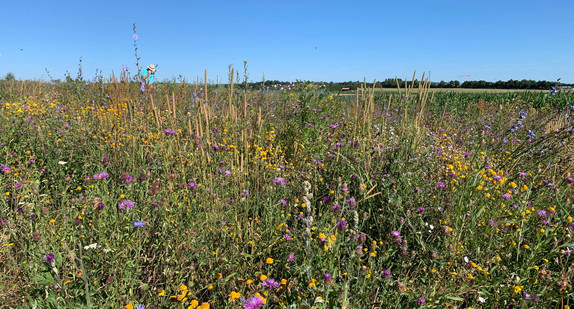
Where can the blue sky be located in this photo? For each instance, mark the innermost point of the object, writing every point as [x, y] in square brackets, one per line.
[289, 40]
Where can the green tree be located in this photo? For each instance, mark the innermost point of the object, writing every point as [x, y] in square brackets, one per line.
[9, 76]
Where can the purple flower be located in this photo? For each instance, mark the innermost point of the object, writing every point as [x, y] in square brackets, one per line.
[125, 67]
[253, 303]
[169, 132]
[506, 196]
[101, 206]
[192, 185]
[138, 223]
[50, 259]
[270, 283]
[4, 168]
[570, 180]
[280, 180]
[526, 296]
[100, 176]
[541, 213]
[291, 257]
[129, 179]
[327, 276]
[396, 233]
[126, 204]
[287, 237]
[336, 207]
[387, 274]
[342, 224]
[228, 173]
[421, 209]
[351, 201]
[136, 37]
[440, 185]
[245, 192]
[421, 301]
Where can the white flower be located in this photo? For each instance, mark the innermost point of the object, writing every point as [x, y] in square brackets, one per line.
[466, 259]
[481, 299]
[62, 162]
[92, 246]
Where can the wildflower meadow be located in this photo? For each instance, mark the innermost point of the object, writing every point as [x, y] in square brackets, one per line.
[192, 195]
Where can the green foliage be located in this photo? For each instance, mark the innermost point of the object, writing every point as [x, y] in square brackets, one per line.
[464, 201]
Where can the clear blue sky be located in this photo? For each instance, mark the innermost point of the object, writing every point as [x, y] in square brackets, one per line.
[288, 40]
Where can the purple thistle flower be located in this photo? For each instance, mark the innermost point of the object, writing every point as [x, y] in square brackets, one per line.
[4, 168]
[50, 259]
[270, 283]
[570, 180]
[126, 204]
[227, 173]
[100, 176]
[253, 303]
[506, 196]
[440, 185]
[192, 185]
[245, 192]
[421, 209]
[396, 233]
[138, 223]
[421, 301]
[336, 207]
[282, 201]
[327, 276]
[342, 224]
[387, 274]
[169, 132]
[280, 180]
[287, 237]
[129, 179]
[542, 213]
[351, 201]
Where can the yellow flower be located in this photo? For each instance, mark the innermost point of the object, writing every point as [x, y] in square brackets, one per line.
[129, 306]
[234, 295]
[263, 278]
[249, 281]
[313, 283]
[162, 293]
[517, 289]
[193, 304]
[205, 305]
[183, 287]
[269, 260]
[211, 287]
[283, 281]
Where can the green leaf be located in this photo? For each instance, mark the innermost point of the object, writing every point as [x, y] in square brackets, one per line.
[44, 278]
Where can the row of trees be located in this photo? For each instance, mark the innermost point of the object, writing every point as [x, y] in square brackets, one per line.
[392, 83]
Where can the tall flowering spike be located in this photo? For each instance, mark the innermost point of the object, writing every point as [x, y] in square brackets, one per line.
[136, 37]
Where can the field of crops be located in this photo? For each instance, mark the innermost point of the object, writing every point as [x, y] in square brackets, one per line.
[191, 196]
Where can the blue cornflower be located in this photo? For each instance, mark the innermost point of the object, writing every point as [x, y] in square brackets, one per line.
[139, 223]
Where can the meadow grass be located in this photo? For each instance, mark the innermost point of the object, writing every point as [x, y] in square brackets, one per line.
[186, 196]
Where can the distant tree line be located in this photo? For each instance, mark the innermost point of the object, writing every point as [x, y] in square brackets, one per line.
[392, 83]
